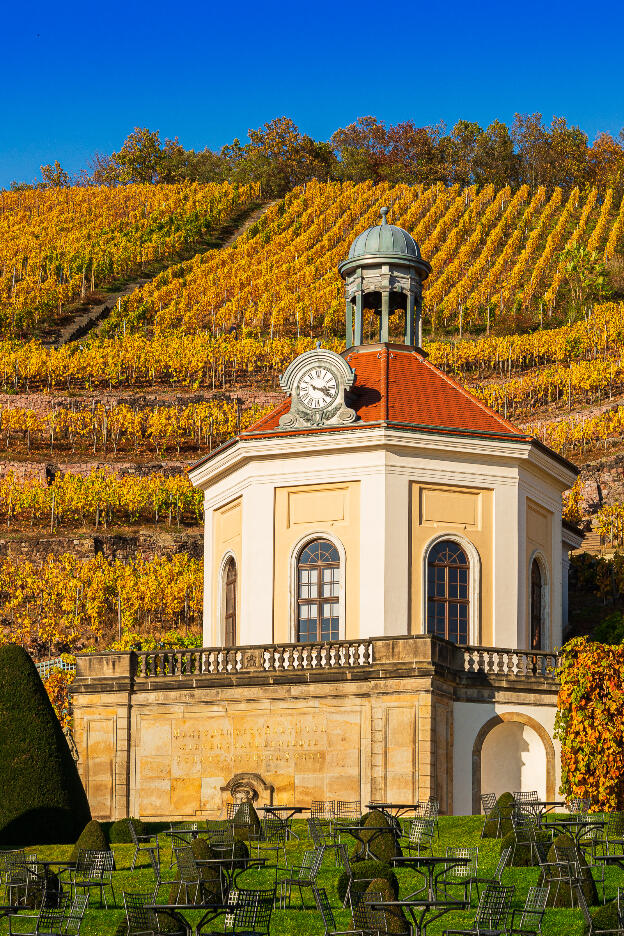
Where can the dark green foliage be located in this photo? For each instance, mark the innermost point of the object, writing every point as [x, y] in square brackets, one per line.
[505, 806]
[396, 921]
[383, 845]
[522, 857]
[119, 832]
[604, 918]
[560, 894]
[42, 799]
[91, 837]
[246, 823]
[365, 871]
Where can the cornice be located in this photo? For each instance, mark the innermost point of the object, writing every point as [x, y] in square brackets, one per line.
[369, 437]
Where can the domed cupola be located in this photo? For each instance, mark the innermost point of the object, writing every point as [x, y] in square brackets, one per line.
[384, 272]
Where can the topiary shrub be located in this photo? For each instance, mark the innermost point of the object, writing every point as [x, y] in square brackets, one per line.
[396, 921]
[382, 845]
[92, 837]
[119, 832]
[521, 854]
[43, 799]
[603, 918]
[560, 894]
[364, 872]
[246, 823]
[505, 807]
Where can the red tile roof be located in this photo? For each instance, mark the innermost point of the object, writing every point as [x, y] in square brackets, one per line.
[396, 385]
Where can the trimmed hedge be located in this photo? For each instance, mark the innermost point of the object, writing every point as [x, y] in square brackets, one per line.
[92, 837]
[505, 804]
[366, 871]
[396, 921]
[119, 832]
[383, 845]
[561, 894]
[603, 918]
[43, 799]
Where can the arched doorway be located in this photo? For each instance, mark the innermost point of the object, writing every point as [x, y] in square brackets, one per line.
[512, 752]
[537, 606]
[230, 580]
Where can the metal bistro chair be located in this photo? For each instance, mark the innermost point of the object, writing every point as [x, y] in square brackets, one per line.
[524, 824]
[301, 876]
[248, 914]
[143, 922]
[420, 835]
[143, 843]
[528, 920]
[463, 876]
[272, 839]
[492, 912]
[21, 878]
[94, 870]
[491, 812]
[189, 876]
[327, 916]
[614, 834]
[180, 835]
[351, 879]
[569, 869]
[321, 837]
[345, 813]
[427, 809]
[503, 861]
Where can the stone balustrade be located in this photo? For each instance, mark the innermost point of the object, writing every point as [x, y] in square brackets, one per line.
[396, 654]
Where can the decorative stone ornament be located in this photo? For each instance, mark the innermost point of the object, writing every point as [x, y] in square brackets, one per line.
[317, 381]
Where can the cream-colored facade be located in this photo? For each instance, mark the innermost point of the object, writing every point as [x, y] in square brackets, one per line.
[430, 512]
[386, 496]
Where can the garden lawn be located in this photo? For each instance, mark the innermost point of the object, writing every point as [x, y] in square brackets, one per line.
[454, 830]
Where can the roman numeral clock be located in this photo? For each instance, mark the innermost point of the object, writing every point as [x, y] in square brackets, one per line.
[317, 382]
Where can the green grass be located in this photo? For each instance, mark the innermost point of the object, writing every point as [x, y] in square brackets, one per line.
[454, 830]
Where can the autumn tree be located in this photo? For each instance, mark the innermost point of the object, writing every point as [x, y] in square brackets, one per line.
[54, 176]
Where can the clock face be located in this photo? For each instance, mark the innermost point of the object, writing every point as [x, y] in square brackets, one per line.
[318, 388]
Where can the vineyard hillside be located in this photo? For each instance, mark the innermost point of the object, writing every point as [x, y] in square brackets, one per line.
[100, 532]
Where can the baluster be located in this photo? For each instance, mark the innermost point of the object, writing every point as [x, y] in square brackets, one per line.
[296, 661]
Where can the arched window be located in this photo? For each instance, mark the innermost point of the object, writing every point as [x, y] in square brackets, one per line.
[229, 602]
[318, 586]
[448, 595]
[536, 606]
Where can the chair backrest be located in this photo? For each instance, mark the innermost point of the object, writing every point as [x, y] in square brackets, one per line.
[324, 908]
[50, 921]
[503, 861]
[493, 906]
[322, 809]
[252, 912]
[98, 863]
[375, 917]
[139, 919]
[427, 809]
[582, 905]
[75, 914]
[567, 854]
[488, 803]
[273, 831]
[317, 832]
[421, 831]
[133, 832]
[462, 871]
[346, 809]
[343, 857]
[577, 806]
[310, 866]
[534, 909]
[522, 797]
[187, 865]
[615, 827]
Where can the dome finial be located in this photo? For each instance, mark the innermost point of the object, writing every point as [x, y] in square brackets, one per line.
[383, 212]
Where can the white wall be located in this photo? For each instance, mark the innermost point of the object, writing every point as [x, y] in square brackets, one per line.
[517, 754]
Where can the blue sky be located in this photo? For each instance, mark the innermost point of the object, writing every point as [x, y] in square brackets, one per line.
[77, 77]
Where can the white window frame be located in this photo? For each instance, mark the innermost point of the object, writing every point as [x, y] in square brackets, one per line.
[297, 549]
[474, 584]
[538, 555]
[221, 600]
